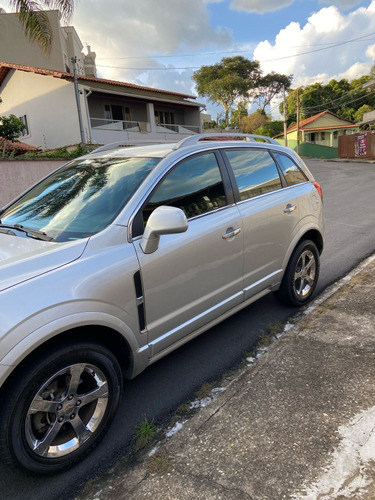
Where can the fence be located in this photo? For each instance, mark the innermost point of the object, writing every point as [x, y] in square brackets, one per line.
[360, 146]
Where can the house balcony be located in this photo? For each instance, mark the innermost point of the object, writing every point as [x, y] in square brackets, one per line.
[105, 131]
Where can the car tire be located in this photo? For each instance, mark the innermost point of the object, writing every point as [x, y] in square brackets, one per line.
[301, 275]
[58, 407]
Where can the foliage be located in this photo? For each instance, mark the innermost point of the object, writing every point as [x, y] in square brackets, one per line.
[271, 128]
[341, 97]
[238, 114]
[358, 115]
[80, 150]
[252, 122]
[10, 129]
[228, 80]
[268, 87]
[144, 432]
[34, 19]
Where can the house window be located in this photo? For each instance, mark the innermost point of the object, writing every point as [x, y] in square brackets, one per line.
[25, 131]
[107, 112]
[116, 112]
[335, 134]
[164, 117]
[322, 136]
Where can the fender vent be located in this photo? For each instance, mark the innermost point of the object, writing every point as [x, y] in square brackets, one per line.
[139, 301]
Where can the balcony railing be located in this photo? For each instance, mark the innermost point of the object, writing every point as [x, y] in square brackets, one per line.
[129, 126]
[173, 128]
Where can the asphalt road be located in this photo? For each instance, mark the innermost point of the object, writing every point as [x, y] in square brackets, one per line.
[349, 199]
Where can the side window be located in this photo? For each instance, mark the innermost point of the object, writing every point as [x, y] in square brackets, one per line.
[255, 171]
[195, 186]
[292, 173]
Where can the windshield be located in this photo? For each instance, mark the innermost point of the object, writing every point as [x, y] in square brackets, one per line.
[81, 198]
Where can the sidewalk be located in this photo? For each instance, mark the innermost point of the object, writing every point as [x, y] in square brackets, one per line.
[299, 423]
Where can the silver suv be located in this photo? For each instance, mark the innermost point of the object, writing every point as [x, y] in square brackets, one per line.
[123, 255]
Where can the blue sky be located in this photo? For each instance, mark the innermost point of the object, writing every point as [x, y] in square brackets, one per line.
[159, 43]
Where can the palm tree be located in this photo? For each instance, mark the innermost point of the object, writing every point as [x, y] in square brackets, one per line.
[35, 21]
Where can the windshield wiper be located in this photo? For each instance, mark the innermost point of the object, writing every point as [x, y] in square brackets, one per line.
[39, 235]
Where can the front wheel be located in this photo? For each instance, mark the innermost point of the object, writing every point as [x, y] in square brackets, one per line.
[58, 407]
[301, 275]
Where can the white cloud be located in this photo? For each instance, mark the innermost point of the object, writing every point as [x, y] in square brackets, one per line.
[322, 29]
[119, 31]
[260, 6]
[370, 52]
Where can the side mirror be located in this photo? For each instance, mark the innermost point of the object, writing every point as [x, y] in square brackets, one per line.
[163, 220]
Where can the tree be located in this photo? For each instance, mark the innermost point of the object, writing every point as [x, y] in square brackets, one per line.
[35, 21]
[252, 122]
[271, 128]
[238, 114]
[10, 129]
[270, 86]
[342, 97]
[228, 80]
[358, 115]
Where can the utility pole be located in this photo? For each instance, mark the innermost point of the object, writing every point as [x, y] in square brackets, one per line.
[76, 89]
[298, 121]
[285, 120]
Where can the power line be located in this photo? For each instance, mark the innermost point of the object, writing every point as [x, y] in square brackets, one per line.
[327, 45]
[333, 45]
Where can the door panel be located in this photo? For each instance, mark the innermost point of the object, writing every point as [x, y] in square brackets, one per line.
[268, 231]
[270, 213]
[192, 277]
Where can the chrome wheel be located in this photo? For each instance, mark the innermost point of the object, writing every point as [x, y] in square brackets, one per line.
[66, 410]
[301, 275]
[304, 276]
[59, 407]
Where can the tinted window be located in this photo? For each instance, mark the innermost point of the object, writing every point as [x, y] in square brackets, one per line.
[255, 172]
[292, 173]
[81, 198]
[195, 186]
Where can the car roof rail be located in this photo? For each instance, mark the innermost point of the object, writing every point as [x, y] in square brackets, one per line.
[109, 146]
[194, 139]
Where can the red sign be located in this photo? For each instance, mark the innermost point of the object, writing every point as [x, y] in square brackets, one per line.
[361, 145]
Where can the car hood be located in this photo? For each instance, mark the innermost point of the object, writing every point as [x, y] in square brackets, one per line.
[23, 258]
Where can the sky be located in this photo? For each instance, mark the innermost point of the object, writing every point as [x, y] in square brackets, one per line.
[160, 43]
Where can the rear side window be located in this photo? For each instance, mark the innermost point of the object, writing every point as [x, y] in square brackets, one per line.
[195, 186]
[255, 171]
[292, 173]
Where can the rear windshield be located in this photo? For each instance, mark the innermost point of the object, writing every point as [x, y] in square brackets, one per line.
[81, 198]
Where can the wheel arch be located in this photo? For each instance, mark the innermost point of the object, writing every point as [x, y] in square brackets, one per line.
[102, 335]
[315, 236]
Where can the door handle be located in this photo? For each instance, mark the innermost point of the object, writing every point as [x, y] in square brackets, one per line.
[231, 233]
[289, 208]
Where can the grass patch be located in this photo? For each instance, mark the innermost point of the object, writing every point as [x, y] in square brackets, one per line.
[275, 328]
[204, 391]
[183, 409]
[144, 433]
[160, 463]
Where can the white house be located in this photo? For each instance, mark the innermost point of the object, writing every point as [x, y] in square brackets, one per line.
[58, 111]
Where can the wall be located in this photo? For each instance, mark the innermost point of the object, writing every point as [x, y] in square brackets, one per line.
[311, 150]
[18, 175]
[16, 48]
[49, 104]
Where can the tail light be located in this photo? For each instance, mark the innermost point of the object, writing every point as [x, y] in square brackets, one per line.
[319, 189]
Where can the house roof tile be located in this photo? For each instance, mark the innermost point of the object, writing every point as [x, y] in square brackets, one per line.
[5, 67]
[311, 119]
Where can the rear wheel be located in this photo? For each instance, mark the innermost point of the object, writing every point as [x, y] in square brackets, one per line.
[59, 407]
[301, 275]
